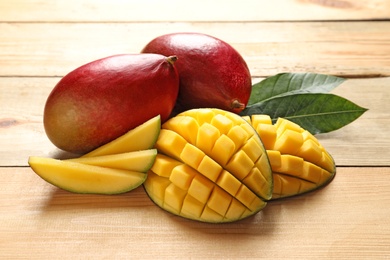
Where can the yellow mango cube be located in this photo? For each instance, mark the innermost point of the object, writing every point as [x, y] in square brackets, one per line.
[192, 207]
[170, 143]
[174, 197]
[267, 134]
[288, 142]
[219, 201]
[210, 168]
[192, 155]
[229, 183]
[240, 165]
[186, 126]
[182, 176]
[206, 137]
[223, 150]
[164, 165]
[222, 123]
[201, 188]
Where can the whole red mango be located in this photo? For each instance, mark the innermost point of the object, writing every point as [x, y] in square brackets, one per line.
[212, 73]
[104, 99]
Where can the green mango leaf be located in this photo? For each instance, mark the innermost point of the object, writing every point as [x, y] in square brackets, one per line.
[292, 83]
[315, 112]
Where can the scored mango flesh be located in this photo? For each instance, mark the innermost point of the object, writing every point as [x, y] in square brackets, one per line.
[211, 167]
[299, 162]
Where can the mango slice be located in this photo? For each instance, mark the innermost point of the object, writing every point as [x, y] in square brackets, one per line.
[211, 167]
[299, 162]
[142, 137]
[82, 178]
[140, 161]
[116, 167]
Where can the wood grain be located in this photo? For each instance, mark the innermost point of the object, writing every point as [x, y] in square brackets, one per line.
[38, 220]
[201, 10]
[350, 49]
[41, 41]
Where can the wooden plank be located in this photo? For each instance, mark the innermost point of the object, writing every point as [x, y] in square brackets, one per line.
[201, 10]
[348, 219]
[365, 142]
[269, 48]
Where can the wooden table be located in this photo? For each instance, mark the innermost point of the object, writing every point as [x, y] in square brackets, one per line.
[41, 41]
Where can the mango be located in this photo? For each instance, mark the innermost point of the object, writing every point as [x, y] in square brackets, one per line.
[140, 161]
[212, 73]
[299, 162]
[116, 167]
[102, 100]
[83, 178]
[142, 137]
[211, 166]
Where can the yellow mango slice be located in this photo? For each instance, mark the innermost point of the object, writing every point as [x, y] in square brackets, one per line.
[140, 161]
[142, 137]
[116, 167]
[299, 162]
[217, 172]
[82, 178]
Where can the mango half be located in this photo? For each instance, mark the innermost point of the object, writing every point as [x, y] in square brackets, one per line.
[211, 167]
[299, 162]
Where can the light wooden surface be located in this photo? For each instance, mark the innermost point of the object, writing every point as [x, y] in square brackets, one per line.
[40, 41]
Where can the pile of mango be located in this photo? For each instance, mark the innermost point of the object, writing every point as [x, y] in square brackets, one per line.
[209, 165]
[168, 119]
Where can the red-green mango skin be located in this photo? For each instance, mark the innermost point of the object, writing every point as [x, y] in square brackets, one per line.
[104, 99]
[212, 73]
